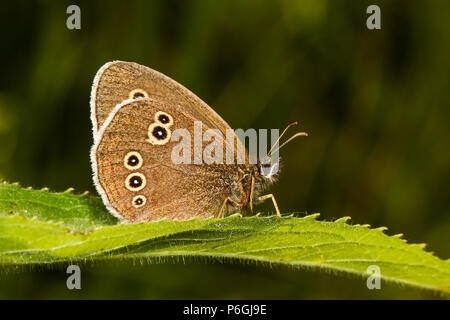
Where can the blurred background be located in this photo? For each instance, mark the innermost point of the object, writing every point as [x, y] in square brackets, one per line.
[375, 103]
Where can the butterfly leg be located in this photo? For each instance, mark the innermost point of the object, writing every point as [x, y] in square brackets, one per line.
[267, 196]
[252, 190]
[221, 211]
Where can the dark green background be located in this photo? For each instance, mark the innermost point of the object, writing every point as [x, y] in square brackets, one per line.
[375, 103]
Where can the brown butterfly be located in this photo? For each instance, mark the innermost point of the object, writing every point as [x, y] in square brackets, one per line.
[135, 111]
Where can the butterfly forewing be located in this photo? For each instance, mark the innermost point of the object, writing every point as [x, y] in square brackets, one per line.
[118, 80]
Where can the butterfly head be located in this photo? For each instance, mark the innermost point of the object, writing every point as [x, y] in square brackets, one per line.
[268, 170]
[269, 165]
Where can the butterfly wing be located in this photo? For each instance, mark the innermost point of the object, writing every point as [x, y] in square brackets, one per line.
[134, 171]
[119, 80]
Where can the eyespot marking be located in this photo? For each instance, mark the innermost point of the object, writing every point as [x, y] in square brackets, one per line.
[135, 181]
[139, 201]
[164, 118]
[158, 134]
[138, 93]
[133, 160]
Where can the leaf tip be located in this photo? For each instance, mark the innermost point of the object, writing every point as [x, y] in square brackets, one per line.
[398, 235]
[312, 216]
[343, 219]
[420, 245]
[69, 190]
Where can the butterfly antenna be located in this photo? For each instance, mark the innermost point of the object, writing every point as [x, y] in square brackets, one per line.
[284, 131]
[298, 134]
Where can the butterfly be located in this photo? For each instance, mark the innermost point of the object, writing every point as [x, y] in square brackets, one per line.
[135, 113]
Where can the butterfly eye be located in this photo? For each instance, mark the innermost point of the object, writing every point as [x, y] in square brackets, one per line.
[138, 93]
[164, 118]
[138, 201]
[158, 134]
[133, 160]
[135, 182]
[268, 170]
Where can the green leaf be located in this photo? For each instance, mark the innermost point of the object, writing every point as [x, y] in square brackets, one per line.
[40, 228]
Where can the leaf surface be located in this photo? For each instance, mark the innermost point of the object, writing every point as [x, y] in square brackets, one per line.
[38, 227]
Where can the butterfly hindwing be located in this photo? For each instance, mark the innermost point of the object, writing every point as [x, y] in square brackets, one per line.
[134, 171]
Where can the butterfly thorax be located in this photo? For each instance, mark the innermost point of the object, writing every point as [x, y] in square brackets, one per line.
[251, 181]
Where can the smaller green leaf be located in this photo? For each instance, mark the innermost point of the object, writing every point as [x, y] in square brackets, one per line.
[79, 212]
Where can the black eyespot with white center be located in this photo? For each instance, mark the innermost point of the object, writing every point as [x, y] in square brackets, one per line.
[159, 133]
[164, 119]
[138, 93]
[138, 201]
[135, 181]
[133, 160]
